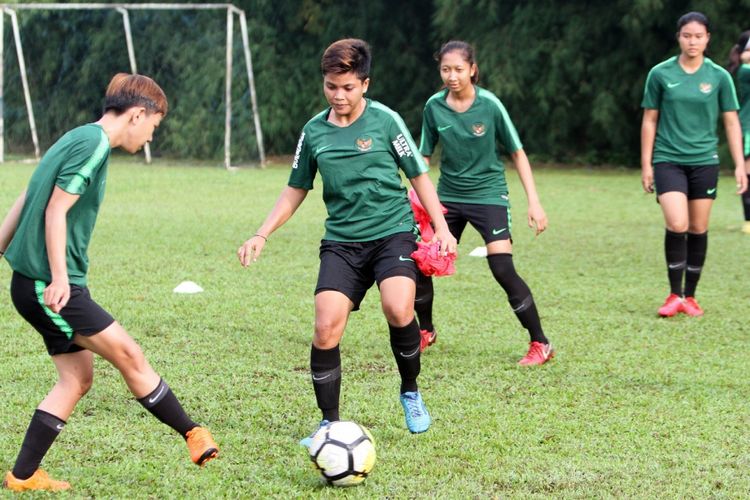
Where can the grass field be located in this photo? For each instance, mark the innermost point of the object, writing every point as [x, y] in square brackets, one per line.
[632, 406]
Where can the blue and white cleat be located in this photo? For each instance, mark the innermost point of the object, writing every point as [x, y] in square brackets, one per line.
[417, 417]
[307, 441]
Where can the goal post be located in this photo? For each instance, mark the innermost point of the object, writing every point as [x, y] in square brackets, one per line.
[123, 9]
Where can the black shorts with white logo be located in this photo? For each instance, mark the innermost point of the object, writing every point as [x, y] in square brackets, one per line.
[695, 182]
[80, 316]
[352, 268]
[492, 221]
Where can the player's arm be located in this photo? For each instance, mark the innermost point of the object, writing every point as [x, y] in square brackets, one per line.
[648, 136]
[734, 140]
[56, 295]
[429, 199]
[427, 160]
[536, 217]
[289, 200]
[10, 223]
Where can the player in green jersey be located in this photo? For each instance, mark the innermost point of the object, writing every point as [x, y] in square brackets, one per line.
[469, 121]
[739, 64]
[45, 238]
[358, 146]
[683, 99]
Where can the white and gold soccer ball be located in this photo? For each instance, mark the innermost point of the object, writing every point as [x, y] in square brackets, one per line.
[343, 452]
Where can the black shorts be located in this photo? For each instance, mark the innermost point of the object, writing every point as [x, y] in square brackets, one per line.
[352, 268]
[80, 316]
[492, 221]
[695, 182]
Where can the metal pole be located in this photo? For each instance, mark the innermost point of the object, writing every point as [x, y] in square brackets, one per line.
[251, 80]
[2, 86]
[133, 66]
[24, 81]
[228, 92]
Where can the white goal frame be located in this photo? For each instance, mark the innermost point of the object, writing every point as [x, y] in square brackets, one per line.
[123, 9]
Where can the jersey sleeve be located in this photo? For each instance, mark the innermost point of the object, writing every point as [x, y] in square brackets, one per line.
[81, 163]
[505, 131]
[727, 93]
[404, 149]
[304, 166]
[652, 91]
[430, 136]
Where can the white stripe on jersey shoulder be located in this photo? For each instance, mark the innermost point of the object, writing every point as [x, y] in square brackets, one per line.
[486, 94]
[440, 95]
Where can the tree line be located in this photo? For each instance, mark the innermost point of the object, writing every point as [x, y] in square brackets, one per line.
[571, 73]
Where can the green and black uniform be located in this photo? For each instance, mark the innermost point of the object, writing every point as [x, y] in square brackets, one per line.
[473, 188]
[743, 88]
[77, 164]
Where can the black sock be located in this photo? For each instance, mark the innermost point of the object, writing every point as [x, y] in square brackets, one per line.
[163, 404]
[746, 200]
[40, 435]
[423, 302]
[675, 249]
[696, 256]
[325, 367]
[405, 347]
[519, 295]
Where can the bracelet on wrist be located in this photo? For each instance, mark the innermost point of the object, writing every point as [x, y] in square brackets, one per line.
[264, 238]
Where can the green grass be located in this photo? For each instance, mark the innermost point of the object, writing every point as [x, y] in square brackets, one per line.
[632, 406]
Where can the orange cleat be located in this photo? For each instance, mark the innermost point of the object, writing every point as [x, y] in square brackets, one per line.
[201, 445]
[691, 307]
[427, 338]
[671, 306]
[38, 481]
[538, 354]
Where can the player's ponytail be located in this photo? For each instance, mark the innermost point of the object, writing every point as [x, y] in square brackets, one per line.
[126, 91]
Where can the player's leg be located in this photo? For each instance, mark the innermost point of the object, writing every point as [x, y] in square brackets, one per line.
[746, 194]
[75, 374]
[116, 346]
[671, 184]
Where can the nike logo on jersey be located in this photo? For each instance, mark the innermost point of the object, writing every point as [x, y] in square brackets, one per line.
[711, 191]
[498, 231]
[322, 148]
[444, 127]
[673, 85]
[405, 259]
[151, 400]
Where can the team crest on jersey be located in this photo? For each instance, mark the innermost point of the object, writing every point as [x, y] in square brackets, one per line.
[706, 88]
[364, 143]
[479, 129]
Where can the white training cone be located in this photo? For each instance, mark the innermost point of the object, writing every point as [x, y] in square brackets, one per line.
[188, 287]
[479, 252]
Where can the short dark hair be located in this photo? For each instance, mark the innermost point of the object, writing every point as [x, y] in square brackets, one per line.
[691, 17]
[343, 56]
[129, 90]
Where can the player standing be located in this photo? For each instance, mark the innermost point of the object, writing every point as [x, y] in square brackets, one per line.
[469, 121]
[739, 64]
[358, 145]
[45, 239]
[682, 101]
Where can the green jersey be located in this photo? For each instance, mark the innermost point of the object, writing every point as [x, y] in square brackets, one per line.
[77, 164]
[359, 165]
[689, 106]
[743, 89]
[470, 167]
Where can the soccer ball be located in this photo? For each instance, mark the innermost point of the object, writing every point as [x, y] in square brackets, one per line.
[343, 452]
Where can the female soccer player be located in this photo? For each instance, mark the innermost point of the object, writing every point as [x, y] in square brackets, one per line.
[358, 145]
[682, 101]
[468, 120]
[45, 239]
[739, 64]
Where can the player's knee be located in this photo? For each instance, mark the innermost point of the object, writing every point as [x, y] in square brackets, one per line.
[399, 314]
[678, 226]
[131, 358]
[78, 385]
[327, 333]
[697, 228]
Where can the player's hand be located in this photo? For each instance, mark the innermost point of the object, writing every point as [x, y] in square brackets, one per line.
[56, 295]
[536, 218]
[447, 242]
[647, 178]
[251, 249]
[741, 177]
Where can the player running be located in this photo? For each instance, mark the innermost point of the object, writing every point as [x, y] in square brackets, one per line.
[468, 121]
[45, 239]
[679, 160]
[739, 64]
[358, 145]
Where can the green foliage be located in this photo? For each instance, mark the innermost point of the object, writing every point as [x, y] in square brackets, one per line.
[571, 73]
[633, 406]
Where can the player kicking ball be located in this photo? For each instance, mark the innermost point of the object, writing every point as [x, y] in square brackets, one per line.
[45, 238]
